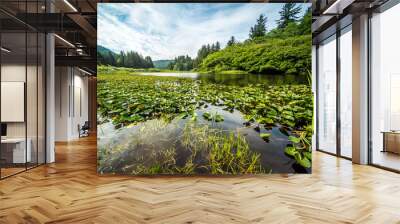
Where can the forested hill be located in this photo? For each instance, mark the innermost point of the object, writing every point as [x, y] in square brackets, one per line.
[283, 50]
[130, 59]
[266, 56]
[162, 64]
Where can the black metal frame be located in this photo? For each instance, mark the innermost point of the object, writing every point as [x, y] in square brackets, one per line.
[44, 80]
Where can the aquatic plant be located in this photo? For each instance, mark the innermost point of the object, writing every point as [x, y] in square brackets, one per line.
[265, 136]
[300, 147]
[194, 149]
[125, 98]
[232, 155]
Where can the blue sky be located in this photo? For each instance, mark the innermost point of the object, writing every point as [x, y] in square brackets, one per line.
[167, 30]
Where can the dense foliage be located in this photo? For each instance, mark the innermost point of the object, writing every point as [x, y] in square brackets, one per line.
[204, 51]
[283, 50]
[130, 59]
[272, 56]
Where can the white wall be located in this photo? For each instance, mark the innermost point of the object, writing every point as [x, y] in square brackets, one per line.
[71, 102]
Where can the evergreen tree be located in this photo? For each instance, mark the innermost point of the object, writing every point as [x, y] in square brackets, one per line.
[217, 46]
[289, 13]
[259, 29]
[182, 63]
[111, 59]
[149, 62]
[305, 22]
[231, 41]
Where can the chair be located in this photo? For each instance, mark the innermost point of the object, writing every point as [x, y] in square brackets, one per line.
[84, 130]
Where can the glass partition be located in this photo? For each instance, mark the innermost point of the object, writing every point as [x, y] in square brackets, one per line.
[327, 95]
[346, 92]
[32, 98]
[23, 91]
[385, 89]
[14, 153]
[41, 96]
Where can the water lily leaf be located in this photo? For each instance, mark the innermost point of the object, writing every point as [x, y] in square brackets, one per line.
[290, 150]
[194, 117]
[294, 139]
[265, 136]
[289, 123]
[308, 155]
[207, 116]
[218, 118]
[182, 115]
[304, 162]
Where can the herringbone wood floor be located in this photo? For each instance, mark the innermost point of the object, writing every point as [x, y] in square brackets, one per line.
[70, 191]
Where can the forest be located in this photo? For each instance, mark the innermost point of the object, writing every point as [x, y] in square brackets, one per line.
[130, 59]
[285, 49]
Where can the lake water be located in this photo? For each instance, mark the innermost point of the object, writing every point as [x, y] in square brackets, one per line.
[235, 79]
[272, 151]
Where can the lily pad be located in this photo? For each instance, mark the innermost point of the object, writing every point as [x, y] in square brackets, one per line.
[294, 139]
[265, 136]
[207, 116]
[218, 118]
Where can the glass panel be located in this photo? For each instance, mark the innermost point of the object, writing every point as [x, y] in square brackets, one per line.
[31, 99]
[346, 92]
[385, 89]
[327, 95]
[23, 90]
[41, 99]
[13, 86]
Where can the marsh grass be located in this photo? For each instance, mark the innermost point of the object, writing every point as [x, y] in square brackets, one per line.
[196, 148]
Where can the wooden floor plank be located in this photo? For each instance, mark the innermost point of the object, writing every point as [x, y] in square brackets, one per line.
[70, 191]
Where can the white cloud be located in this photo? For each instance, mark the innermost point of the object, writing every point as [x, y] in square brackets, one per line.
[164, 31]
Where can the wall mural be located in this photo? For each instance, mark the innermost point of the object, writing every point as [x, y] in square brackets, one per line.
[215, 89]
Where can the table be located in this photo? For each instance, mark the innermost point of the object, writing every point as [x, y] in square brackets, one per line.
[391, 141]
[18, 150]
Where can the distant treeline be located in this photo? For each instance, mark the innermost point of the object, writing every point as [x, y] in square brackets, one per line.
[186, 63]
[130, 59]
